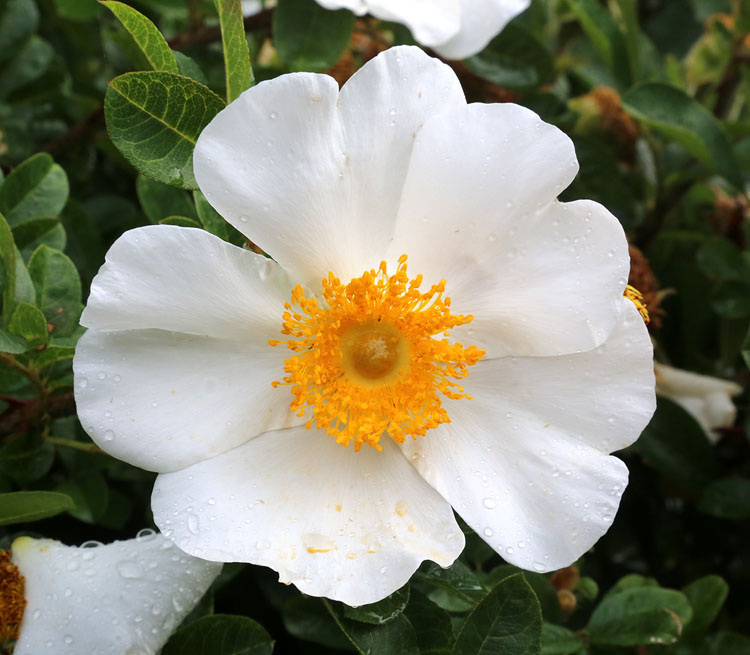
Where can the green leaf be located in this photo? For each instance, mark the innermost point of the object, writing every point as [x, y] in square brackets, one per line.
[397, 637]
[432, 625]
[29, 64]
[729, 643]
[307, 618]
[514, 59]
[728, 498]
[28, 232]
[214, 223]
[146, 35]
[640, 615]
[557, 640]
[675, 445]
[18, 21]
[37, 188]
[686, 122]
[180, 221]
[220, 634]
[606, 37]
[706, 596]
[51, 355]
[189, 68]
[160, 200]
[507, 621]
[382, 611]
[90, 492]
[26, 459]
[238, 72]
[28, 322]
[455, 588]
[309, 37]
[11, 343]
[8, 255]
[731, 298]
[154, 119]
[719, 258]
[77, 10]
[26, 506]
[58, 289]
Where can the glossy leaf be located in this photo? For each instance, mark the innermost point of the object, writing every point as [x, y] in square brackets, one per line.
[146, 35]
[238, 72]
[37, 188]
[28, 322]
[382, 611]
[706, 596]
[220, 635]
[26, 506]
[507, 621]
[154, 119]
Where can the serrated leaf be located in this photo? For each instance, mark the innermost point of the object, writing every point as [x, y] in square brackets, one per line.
[706, 596]
[160, 200]
[238, 72]
[309, 37]
[220, 634]
[638, 616]
[58, 289]
[382, 611]
[154, 119]
[686, 122]
[27, 321]
[507, 621]
[36, 188]
[146, 35]
[26, 506]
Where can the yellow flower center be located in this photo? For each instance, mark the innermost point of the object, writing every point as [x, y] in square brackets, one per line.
[12, 600]
[369, 359]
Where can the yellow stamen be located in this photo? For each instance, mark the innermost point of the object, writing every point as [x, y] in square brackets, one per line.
[369, 361]
[12, 600]
[636, 297]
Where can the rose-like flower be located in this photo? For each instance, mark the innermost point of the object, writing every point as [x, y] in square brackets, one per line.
[335, 454]
[707, 399]
[455, 29]
[125, 597]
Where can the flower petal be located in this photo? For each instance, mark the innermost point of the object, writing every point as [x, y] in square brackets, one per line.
[540, 277]
[480, 22]
[524, 462]
[349, 526]
[187, 280]
[163, 400]
[431, 23]
[359, 7]
[315, 178]
[125, 597]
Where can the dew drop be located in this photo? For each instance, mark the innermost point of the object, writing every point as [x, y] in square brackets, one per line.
[488, 532]
[83, 383]
[538, 566]
[212, 501]
[36, 614]
[489, 503]
[68, 639]
[273, 115]
[193, 523]
[129, 570]
[101, 375]
[147, 534]
[108, 435]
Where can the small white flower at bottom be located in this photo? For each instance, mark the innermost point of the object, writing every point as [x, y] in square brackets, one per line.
[123, 597]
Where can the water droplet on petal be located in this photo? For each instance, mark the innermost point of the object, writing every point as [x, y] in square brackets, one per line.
[193, 523]
[129, 570]
[489, 503]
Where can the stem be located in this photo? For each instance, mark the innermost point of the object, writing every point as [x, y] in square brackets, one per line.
[30, 373]
[77, 445]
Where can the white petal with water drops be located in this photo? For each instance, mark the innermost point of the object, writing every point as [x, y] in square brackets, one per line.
[123, 597]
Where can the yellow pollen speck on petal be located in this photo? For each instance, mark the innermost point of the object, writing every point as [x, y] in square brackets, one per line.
[12, 599]
[401, 508]
[371, 358]
[636, 297]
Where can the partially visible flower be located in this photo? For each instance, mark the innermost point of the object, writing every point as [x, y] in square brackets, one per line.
[125, 597]
[707, 399]
[320, 412]
[455, 29]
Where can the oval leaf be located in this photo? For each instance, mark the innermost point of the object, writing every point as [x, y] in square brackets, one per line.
[220, 635]
[154, 119]
[146, 36]
[25, 506]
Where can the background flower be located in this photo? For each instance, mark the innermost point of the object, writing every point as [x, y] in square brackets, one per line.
[123, 597]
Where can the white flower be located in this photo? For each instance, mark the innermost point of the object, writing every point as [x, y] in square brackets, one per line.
[251, 7]
[176, 373]
[707, 399]
[125, 597]
[455, 29]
